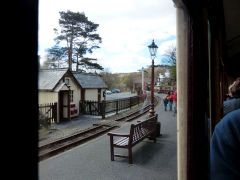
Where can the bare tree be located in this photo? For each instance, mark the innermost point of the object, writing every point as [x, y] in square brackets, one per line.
[170, 58]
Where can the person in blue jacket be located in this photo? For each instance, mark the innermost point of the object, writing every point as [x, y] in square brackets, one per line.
[225, 148]
[225, 142]
[165, 101]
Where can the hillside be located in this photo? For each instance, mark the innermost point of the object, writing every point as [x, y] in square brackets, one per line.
[124, 81]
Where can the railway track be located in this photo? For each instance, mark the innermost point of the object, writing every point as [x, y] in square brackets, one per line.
[63, 144]
[68, 142]
[134, 115]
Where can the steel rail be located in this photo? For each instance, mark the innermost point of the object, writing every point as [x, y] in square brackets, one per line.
[66, 143]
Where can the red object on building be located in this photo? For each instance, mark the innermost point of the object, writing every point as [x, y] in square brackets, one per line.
[72, 106]
[73, 109]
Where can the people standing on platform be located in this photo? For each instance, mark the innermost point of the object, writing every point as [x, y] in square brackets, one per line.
[170, 99]
[175, 101]
[165, 101]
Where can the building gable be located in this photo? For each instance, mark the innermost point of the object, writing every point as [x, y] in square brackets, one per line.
[54, 79]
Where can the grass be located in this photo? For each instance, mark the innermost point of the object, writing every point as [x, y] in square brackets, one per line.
[43, 131]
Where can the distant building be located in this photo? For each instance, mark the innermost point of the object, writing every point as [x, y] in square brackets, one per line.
[137, 84]
[165, 83]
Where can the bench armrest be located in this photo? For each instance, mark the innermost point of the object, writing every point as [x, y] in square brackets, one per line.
[118, 134]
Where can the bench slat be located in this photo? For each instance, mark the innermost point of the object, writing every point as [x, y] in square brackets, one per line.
[121, 141]
[120, 155]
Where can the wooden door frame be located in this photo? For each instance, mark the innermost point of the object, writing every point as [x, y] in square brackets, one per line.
[83, 94]
[60, 100]
[99, 94]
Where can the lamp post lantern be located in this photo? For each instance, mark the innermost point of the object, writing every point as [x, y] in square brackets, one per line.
[153, 50]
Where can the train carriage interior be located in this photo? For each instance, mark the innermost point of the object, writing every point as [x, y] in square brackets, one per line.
[208, 48]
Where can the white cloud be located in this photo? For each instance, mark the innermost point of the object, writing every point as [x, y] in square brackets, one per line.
[125, 62]
[165, 45]
[126, 28]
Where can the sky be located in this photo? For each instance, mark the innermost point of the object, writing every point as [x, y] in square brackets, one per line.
[126, 27]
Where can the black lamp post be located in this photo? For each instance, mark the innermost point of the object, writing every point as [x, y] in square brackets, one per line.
[153, 50]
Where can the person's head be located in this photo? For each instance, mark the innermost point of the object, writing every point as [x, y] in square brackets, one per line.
[235, 89]
[230, 89]
[168, 93]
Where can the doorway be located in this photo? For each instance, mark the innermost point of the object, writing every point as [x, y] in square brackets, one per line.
[64, 105]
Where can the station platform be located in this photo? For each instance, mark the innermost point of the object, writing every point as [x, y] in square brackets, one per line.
[91, 161]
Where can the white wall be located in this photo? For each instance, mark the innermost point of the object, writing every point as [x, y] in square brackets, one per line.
[45, 97]
[91, 94]
[76, 94]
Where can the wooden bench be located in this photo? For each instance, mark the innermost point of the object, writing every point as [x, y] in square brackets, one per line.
[138, 132]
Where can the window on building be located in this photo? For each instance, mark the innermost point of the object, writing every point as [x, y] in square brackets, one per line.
[71, 96]
[67, 81]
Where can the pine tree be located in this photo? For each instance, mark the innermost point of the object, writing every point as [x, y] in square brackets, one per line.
[76, 38]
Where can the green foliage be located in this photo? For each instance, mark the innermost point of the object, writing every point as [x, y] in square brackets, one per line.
[88, 64]
[129, 81]
[109, 78]
[56, 57]
[78, 38]
[122, 81]
[172, 70]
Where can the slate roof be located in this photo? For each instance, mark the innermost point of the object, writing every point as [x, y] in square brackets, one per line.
[89, 80]
[49, 78]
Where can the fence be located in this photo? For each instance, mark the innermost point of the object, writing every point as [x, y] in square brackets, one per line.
[105, 107]
[90, 107]
[47, 114]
